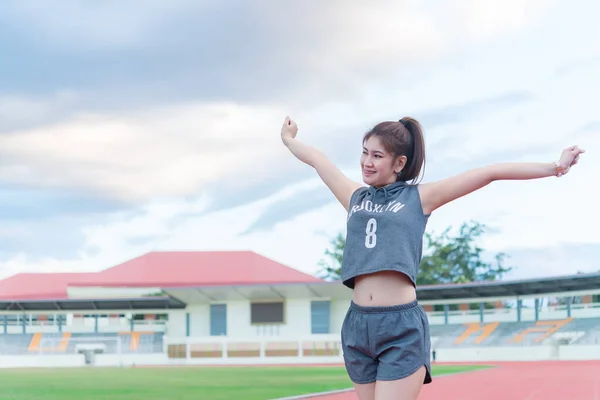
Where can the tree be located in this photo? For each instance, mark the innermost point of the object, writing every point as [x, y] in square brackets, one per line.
[332, 268]
[447, 258]
[458, 259]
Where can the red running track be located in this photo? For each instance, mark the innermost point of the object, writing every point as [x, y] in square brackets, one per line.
[560, 380]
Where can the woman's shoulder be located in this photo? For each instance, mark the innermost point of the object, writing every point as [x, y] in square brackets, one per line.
[358, 193]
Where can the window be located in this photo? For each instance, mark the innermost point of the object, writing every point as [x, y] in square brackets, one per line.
[319, 316]
[218, 319]
[266, 313]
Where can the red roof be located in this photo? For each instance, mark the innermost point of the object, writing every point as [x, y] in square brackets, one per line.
[160, 269]
[189, 269]
[45, 286]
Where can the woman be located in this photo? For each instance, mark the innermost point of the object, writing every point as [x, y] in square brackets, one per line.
[385, 334]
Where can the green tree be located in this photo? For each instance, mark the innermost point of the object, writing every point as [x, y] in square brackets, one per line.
[458, 259]
[331, 266]
[447, 258]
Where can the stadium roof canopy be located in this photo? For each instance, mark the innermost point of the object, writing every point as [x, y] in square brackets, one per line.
[143, 303]
[170, 280]
[523, 287]
[573, 284]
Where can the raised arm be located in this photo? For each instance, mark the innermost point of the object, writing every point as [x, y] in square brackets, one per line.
[341, 186]
[436, 194]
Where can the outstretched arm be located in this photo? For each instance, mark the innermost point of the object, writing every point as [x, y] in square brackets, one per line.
[341, 186]
[436, 194]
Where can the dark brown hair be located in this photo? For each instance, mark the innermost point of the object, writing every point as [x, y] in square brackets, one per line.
[403, 138]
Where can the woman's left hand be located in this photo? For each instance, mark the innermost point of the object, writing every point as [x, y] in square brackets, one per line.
[570, 157]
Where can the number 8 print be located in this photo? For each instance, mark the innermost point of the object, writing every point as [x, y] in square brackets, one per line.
[371, 238]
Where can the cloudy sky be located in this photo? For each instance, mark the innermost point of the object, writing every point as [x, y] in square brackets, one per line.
[131, 126]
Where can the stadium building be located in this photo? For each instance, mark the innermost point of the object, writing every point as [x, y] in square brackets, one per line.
[238, 307]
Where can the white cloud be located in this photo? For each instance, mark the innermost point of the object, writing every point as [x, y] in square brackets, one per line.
[346, 46]
[17, 111]
[365, 36]
[338, 39]
[166, 152]
[485, 20]
[178, 149]
[75, 25]
[293, 242]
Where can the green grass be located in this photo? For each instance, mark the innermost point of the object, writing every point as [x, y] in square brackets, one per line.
[178, 383]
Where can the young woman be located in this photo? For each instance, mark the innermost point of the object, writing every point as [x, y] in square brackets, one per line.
[385, 334]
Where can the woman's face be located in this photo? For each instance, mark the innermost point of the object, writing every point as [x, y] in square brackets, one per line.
[379, 167]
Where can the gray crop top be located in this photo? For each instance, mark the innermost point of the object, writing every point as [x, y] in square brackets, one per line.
[385, 228]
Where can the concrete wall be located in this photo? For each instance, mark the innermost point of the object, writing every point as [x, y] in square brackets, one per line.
[78, 360]
[533, 353]
[41, 361]
[297, 319]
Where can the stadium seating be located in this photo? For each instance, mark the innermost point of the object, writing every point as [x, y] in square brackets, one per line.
[67, 343]
[529, 333]
[14, 344]
[583, 331]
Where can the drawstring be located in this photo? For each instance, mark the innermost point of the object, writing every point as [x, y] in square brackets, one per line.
[387, 191]
[373, 192]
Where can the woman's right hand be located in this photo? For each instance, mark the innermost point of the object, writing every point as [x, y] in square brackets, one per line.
[288, 130]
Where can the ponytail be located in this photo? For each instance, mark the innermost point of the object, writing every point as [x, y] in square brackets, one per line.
[415, 153]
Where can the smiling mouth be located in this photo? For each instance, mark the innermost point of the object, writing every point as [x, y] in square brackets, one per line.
[367, 172]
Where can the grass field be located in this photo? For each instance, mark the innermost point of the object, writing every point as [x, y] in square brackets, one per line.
[178, 383]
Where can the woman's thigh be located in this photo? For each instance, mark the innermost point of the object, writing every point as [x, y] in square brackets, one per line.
[401, 389]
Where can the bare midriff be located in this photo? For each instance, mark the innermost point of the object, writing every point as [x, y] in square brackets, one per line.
[385, 288]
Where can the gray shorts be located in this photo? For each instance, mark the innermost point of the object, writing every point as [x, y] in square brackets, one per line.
[386, 343]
